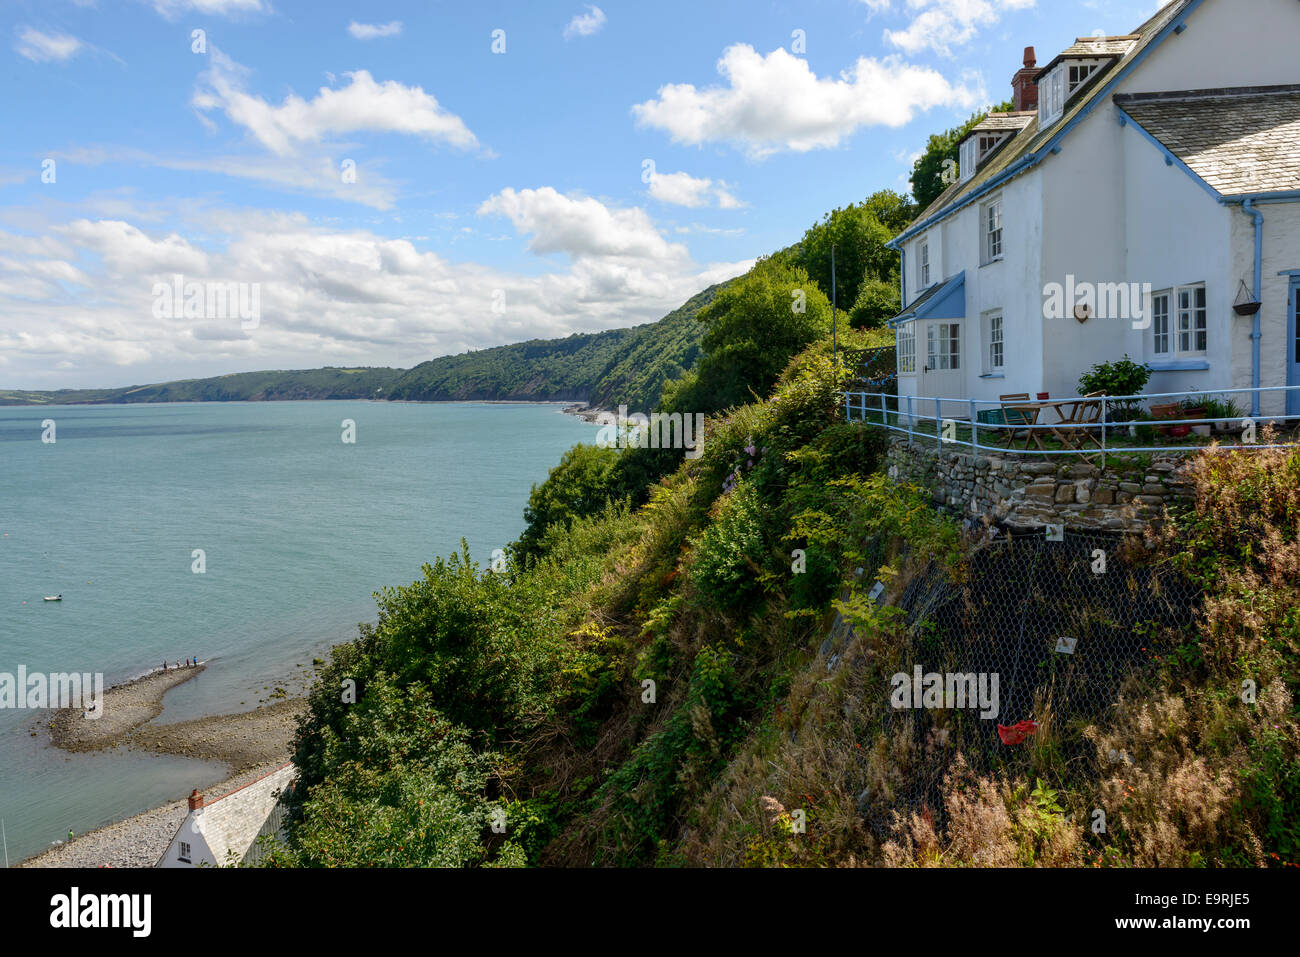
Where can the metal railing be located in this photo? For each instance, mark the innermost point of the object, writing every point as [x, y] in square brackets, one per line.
[909, 415]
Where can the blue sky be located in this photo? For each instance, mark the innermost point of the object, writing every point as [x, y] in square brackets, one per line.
[613, 160]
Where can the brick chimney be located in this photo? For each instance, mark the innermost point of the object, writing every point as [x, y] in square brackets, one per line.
[196, 800]
[1024, 91]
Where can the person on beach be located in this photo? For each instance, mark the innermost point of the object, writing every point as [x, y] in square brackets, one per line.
[69, 834]
[164, 666]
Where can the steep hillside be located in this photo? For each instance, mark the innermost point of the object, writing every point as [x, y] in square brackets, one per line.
[708, 680]
[621, 366]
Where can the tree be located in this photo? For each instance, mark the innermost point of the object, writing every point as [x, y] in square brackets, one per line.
[931, 173]
[752, 329]
[877, 302]
[858, 232]
[581, 485]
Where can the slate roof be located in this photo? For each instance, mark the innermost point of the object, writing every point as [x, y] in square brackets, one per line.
[1091, 48]
[1004, 121]
[1239, 141]
[932, 299]
[1033, 138]
[230, 823]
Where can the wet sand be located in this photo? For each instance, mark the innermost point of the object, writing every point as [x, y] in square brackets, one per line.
[242, 741]
[125, 707]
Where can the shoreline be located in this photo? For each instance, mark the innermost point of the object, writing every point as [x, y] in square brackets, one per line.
[248, 743]
[135, 841]
[125, 707]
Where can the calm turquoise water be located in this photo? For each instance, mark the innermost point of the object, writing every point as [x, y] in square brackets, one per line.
[299, 529]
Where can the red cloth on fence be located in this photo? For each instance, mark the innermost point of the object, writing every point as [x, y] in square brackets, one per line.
[1017, 732]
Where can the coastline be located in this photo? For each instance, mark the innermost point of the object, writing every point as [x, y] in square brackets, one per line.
[125, 707]
[136, 841]
[249, 743]
[584, 411]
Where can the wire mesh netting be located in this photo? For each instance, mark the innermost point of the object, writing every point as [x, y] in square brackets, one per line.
[1039, 636]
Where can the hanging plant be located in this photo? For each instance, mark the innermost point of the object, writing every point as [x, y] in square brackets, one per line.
[1246, 304]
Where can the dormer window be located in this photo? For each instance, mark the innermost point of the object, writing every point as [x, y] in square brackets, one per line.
[975, 149]
[969, 161]
[924, 265]
[1051, 96]
[1079, 74]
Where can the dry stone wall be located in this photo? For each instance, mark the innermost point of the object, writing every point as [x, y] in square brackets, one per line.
[1027, 492]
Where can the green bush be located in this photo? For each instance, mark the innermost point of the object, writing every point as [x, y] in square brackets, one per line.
[582, 484]
[1121, 377]
[729, 556]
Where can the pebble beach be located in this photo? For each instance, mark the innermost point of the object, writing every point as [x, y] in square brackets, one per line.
[250, 743]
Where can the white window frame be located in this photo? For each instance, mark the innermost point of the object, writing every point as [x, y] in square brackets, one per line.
[991, 235]
[906, 348]
[993, 329]
[968, 159]
[1161, 331]
[948, 360]
[184, 852]
[923, 265]
[1192, 321]
[1077, 74]
[1051, 96]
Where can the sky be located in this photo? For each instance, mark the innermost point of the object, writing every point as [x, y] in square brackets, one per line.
[394, 181]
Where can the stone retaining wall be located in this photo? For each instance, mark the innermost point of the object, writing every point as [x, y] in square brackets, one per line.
[1027, 492]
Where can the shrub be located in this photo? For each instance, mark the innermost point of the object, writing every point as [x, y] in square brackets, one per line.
[728, 558]
[1122, 377]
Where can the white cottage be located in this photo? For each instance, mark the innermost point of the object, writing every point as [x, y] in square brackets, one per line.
[224, 830]
[1166, 163]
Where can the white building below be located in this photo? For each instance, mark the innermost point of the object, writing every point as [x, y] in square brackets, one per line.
[223, 831]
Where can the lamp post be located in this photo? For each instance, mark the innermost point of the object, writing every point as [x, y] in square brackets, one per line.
[835, 338]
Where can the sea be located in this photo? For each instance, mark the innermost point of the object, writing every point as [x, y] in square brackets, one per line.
[251, 536]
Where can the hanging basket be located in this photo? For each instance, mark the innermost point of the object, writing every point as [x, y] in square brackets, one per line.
[1245, 305]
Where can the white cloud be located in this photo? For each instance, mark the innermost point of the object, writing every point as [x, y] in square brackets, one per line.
[77, 296]
[580, 227]
[371, 31]
[363, 105]
[775, 102]
[125, 249]
[171, 9]
[40, 47]
[683, 189]
[940, 25]
[586, 24]
[317, 175]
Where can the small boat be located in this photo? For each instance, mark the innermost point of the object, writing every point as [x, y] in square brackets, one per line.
[54, 598]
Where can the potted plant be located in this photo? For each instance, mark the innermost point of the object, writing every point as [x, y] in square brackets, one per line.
[1192, 409]
[1171, 410]
[1227, 413]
